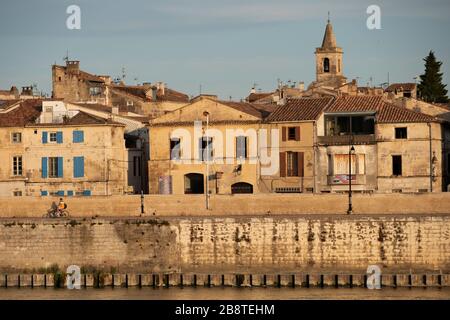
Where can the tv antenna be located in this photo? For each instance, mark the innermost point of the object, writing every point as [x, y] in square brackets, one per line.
[66, 57]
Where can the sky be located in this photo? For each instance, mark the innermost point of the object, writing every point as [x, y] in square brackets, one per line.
[223, 46]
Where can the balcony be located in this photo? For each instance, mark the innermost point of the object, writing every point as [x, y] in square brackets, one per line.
[347, 140]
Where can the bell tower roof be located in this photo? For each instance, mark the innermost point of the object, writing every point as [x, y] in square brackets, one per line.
[329, 39]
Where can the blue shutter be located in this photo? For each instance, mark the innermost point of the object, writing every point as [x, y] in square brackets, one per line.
[60, 193]
[44, 136]
[60, 167]
[70, 193]
[44, 193]
[59, 137]
[86, 192]
[78, 136]
[44, 167]
[78, 167]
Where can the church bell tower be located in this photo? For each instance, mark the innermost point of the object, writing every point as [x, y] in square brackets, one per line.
[329, 63]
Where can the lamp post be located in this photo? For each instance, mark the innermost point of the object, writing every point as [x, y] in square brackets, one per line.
[351, 152]
[206, 114]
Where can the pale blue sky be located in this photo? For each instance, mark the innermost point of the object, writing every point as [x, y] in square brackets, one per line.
[224, 45]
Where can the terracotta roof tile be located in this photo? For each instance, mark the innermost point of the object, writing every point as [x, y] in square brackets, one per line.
[356, 104]
[252, 97]
[141, 92]
[389, 113]
[300, 109]
[28, 111]
[401, 86]
[244, 107]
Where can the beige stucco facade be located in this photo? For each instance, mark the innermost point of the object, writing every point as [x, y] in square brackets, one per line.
[421, 157]
[224, 170]
[103, 151]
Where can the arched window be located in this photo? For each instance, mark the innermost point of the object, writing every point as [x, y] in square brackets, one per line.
[339, 65]
[241, 187]
[326, 65]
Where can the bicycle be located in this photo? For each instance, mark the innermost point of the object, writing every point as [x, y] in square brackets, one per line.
[55, 213]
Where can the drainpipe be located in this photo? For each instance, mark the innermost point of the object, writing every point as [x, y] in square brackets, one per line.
[431, 157]
[315, 148]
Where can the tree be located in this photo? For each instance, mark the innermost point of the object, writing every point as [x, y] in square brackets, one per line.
[431, 88]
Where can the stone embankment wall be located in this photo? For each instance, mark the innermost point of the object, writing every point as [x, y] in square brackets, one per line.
[229, 245]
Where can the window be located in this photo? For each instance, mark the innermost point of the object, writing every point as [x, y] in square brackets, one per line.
[95, 91]
[326, 65]
[241, 147]
[78, 136]
[136, 166]
[16, 137]
[204, 147]
[52, 137]
[17, 193]
[338, 125]
[175, 149]
[401, 133]
[17, 166]
[291, 164]
[291, 133]
[53, 167]
[339, 165]
[396, 165]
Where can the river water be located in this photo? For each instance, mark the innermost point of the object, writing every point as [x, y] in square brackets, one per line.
[224, 293]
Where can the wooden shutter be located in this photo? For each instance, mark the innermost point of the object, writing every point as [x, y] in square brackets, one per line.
[44, 136]
[283, 133]
[297, 133]
[59, 137]
[44, 167]
[282, 164]
[300, 160]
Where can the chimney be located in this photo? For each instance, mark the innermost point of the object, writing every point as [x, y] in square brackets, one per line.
[27, 91]
[73, 67]
[154, 91]
[253, 90]
[161, 87]
[301, 86]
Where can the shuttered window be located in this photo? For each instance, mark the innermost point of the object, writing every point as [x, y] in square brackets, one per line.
[291, 164]
[78, 136]
[340, 164]
[78, 167]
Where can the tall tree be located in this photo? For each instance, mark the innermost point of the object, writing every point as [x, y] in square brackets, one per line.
[431, 88]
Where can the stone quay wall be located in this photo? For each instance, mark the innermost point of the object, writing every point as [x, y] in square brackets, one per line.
[257, 244]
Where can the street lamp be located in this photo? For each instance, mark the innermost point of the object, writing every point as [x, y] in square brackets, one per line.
[351, 152]
[206, 114]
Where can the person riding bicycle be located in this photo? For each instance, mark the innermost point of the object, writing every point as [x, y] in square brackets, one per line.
[61, 206]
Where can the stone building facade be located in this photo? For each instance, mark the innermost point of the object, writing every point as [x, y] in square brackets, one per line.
[72, 84]
[181, 147]
[49, 150]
